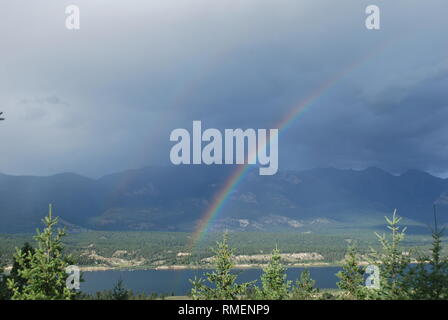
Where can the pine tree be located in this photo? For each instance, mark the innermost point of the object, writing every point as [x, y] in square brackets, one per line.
[223, 281]
[304, 288]
[3, 288]
[429, 278]
[351, 276]
[119, 292]
[392, 262]
[44, 271]
[5, 293]
[27, 251]
[273, 280]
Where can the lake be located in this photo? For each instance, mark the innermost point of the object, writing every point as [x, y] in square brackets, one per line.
[176, 281]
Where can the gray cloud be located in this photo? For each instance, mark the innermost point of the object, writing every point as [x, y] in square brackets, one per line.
[106, 98]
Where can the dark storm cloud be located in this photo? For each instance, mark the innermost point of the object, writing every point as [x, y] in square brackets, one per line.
[106, 98]
[399, 129]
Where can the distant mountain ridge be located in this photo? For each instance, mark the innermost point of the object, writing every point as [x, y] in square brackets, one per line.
[175, 198]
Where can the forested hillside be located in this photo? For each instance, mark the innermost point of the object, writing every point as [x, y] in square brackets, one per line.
[175, 199]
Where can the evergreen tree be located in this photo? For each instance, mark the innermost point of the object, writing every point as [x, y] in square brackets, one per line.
[351, 276]
[5, 293]
[429, 278]
[304, 288]
[28, 251]
[43, 272]
[392, 262]
[224, 286]
[119, 292]
[3, 288]
[273, 280]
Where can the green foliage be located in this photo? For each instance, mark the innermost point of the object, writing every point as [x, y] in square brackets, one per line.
[27, 250]
[4, 292]
[223, 281]
[429, 278]
[351, 276]
[119, 292]
[304, 288]
[273, 280]
[161, 248]
[41, 274]
[327, 296]
[392, 262]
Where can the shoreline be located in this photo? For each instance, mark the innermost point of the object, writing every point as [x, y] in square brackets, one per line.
[204, 267]
[8, 268]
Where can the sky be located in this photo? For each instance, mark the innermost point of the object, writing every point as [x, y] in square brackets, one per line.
[106, 97]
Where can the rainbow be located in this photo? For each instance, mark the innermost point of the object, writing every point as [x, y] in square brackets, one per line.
[240, 172]
[219, 200]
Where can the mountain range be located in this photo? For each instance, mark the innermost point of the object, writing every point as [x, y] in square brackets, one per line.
[175, 199]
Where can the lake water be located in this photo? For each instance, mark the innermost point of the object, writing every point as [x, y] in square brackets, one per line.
[176, 281]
